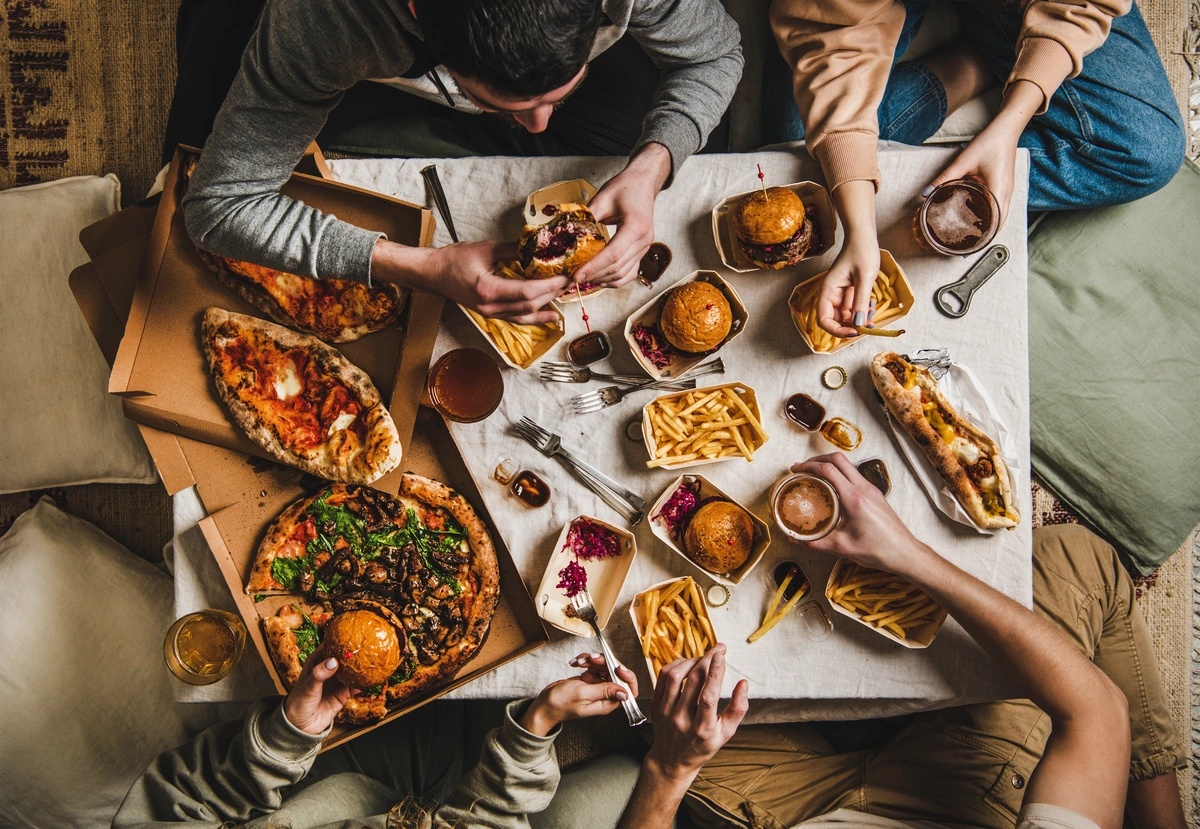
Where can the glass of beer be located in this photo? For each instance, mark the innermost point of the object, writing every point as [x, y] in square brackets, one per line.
[202, 648]
[805, 506]
[465, 385]
[960, 217]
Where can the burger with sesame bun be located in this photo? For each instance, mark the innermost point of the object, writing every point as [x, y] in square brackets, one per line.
[773, 228]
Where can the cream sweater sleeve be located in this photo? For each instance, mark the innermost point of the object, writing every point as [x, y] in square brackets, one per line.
[1055, 37]
[841, 54]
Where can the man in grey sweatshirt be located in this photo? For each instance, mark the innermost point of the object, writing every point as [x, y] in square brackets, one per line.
[518, 59]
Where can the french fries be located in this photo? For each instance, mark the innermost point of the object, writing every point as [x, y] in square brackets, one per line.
[673, 623]
[888, 306]
[775, 612]
[703, 425]
[519, 343]
[881, 600]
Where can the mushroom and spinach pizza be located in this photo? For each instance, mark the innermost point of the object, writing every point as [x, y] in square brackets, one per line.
[333, 310]
[300, 399]
[967, 459]
[422, 559]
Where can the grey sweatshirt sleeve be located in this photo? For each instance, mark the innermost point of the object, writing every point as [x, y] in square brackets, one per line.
[697, 47]
[518, 774]
[231, 772]
[288, 83]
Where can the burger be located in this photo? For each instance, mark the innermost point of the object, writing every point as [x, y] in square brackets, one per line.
[367, 643]
[719, 537]
[773, 228]
[561, 245]
[695, 317]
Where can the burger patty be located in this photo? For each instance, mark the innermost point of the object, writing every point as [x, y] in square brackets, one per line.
[557, 237]
[791, 250]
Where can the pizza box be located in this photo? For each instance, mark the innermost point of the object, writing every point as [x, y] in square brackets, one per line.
[707, 489]
[920, 638]
[682, 363]
[889, 269]
[160, 371]
[243, 494]
[814, 196]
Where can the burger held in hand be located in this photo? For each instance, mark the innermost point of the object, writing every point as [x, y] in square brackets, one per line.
[773, 228]
[563, 244]
[719, 536]
[695, 318]
[367, 645]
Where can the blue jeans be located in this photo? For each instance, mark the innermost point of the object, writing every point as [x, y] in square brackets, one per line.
[1110, 135]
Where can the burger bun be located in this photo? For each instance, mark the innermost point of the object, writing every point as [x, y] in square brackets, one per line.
[696, 317]
[768, 217]
[365, 644]
[719, 537]
[561, 245]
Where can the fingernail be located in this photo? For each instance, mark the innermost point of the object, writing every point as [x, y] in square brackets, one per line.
[330, 664]
[927, 192]
[621, 695]
[859, 317]
[596, 656]
[872, 304]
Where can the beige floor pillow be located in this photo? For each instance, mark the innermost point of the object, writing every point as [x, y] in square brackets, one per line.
[85, 699]
[61, 426]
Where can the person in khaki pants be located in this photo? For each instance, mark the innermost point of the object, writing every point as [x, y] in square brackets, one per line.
[1093, 739]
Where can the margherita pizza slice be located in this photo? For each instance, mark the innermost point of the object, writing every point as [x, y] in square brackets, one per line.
[300, 399]
[334, 310]
[968, 460]
[423, 555]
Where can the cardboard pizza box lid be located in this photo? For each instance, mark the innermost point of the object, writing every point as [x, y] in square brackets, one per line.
[160, 370]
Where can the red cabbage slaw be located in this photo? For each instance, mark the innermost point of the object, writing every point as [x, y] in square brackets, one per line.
[653, 345]
[587, 541]
[679, 507]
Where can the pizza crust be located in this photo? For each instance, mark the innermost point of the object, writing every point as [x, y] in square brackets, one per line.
[905, 407]
[381, 450]
[360, 310]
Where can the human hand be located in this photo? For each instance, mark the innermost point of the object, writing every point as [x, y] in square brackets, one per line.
[590, 694]
[869, 533]
[846, 289]
[466, 273]
[688, 731]
[317, 696]
[627, 201]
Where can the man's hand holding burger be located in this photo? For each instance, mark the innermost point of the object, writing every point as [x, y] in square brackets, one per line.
[627, 201]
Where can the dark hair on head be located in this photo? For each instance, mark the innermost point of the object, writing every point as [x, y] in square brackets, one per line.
[519, 48]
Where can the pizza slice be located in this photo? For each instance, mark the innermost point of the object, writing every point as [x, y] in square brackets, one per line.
[968, 460]
[300, 399]
[423, 559]
[334, 310]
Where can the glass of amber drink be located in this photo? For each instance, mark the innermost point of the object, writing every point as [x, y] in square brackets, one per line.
[202, 648]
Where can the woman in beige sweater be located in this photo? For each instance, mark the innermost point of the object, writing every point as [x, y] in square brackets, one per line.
[1084, 91]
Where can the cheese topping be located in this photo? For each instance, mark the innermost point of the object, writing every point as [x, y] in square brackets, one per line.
[966, 451]
[343, 421]
[289, 384]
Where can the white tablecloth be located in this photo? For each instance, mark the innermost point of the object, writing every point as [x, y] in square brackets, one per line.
[855, 673]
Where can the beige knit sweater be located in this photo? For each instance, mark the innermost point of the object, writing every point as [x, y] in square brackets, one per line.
[841, 54]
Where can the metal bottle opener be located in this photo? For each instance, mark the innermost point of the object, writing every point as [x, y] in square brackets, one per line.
[962, 290]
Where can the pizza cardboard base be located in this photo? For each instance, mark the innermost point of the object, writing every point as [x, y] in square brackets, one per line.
[243, 493]
[159, 369]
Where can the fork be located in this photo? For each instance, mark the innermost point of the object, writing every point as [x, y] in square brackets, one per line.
[629, 504]
[568, 373]
[594, 401]
[584, 610]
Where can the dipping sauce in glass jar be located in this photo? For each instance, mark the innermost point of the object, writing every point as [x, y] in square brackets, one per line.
[804, 411]
[465, 385]
[653, 264]
[532, 491]
[589, 348]
[876, 471]
[841, 433]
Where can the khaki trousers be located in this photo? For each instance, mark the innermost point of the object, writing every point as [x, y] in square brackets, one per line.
[963, 766]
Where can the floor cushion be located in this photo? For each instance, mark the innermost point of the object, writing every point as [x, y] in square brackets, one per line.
[61, 426]
[85, 698]
[1113, 345]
